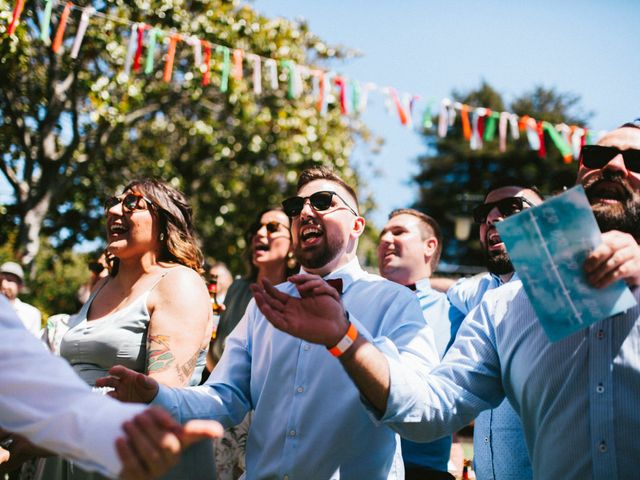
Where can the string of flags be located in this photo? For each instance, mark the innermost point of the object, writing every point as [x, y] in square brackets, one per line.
[479, 124]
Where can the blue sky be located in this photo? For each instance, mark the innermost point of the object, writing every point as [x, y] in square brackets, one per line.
[430, 48]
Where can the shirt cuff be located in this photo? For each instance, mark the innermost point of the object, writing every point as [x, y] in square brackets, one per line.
[167, 399]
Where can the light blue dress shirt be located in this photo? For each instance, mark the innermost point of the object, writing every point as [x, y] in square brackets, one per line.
[441, 317]
[309, 421]
[499, 448]
[578, 397]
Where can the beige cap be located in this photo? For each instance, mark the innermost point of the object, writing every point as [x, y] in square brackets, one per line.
[14, 269]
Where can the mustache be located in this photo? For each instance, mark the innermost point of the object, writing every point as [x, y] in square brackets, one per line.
[611, 177]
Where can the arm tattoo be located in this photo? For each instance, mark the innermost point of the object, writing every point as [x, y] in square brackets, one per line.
[160, 356]
[185, 371]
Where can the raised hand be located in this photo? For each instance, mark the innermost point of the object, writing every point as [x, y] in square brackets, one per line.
[154, 442]
[617, 257]
[317, 317]
[128, 385]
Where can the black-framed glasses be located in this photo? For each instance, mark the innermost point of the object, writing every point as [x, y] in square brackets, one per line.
[130, 202]
[506, 206]
[320, 201]
[272, 227]
[597, 156]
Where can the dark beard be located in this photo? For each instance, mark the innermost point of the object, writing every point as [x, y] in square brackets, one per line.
[318, 257]
[624, 216]
[499, 264]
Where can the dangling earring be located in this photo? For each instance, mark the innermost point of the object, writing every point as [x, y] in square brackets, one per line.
[291, 261]
[162, 237]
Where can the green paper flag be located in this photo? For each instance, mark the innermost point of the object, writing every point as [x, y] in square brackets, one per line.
[226, 67]
[490, 127]
[558, 141]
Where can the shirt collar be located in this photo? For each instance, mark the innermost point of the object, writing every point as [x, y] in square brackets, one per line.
[423, 284]
[349, 273]
[499, 280]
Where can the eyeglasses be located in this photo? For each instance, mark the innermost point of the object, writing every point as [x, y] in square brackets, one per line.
[506, 206]
[597, 156]
[320, 201]
[272, 227]
[130, 202]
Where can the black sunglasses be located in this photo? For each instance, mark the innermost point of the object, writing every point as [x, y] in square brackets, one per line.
[272, 227]
[130, 202]
[507, 206]
[320, 201]
[597, 156]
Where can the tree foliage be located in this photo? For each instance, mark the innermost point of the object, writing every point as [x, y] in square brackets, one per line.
[453, 178]
[74, 131]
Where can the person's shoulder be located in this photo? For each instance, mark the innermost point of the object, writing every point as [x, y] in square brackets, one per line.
[29, 309]
[471, 284]
[504, 294]
[383, 287]
[182, 280]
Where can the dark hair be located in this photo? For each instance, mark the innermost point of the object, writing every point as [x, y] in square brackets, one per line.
[325, 173]
[428, 227]
[503, 182]
[634, 124]
[175, 222]
[249, 233]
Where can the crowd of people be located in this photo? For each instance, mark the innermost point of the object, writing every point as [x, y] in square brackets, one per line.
[318, 368]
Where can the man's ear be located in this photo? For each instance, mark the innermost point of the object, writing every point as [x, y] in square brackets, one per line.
[358, 226]
[430, 248]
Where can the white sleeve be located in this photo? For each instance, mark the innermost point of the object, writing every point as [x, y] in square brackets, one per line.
[43, 399]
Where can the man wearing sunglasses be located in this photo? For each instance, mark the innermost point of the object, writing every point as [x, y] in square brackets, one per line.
[577, 397]
[309, 421]
[499, 447]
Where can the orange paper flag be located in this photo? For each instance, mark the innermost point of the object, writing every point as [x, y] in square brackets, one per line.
[57, 42]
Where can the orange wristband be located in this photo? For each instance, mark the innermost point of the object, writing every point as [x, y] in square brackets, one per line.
[345, 342]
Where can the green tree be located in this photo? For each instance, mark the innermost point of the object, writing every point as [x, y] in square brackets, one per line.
[74, 130]
[453, 178]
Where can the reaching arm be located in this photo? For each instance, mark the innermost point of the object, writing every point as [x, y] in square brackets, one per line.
[318, 316]
[43, 399]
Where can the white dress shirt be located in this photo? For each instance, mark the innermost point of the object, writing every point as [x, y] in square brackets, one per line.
[308, 419]
[577, 397]
[43, 399]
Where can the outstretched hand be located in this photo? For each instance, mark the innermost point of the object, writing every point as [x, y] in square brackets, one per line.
[129, 385]
[154, 442]
[617, 257]
[318, 316]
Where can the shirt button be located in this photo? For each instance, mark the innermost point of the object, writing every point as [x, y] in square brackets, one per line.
[306, 346]
[292, 433]
[486, 439]
[602, 447]
[600, 334]
[600, 388]
[300, 389]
